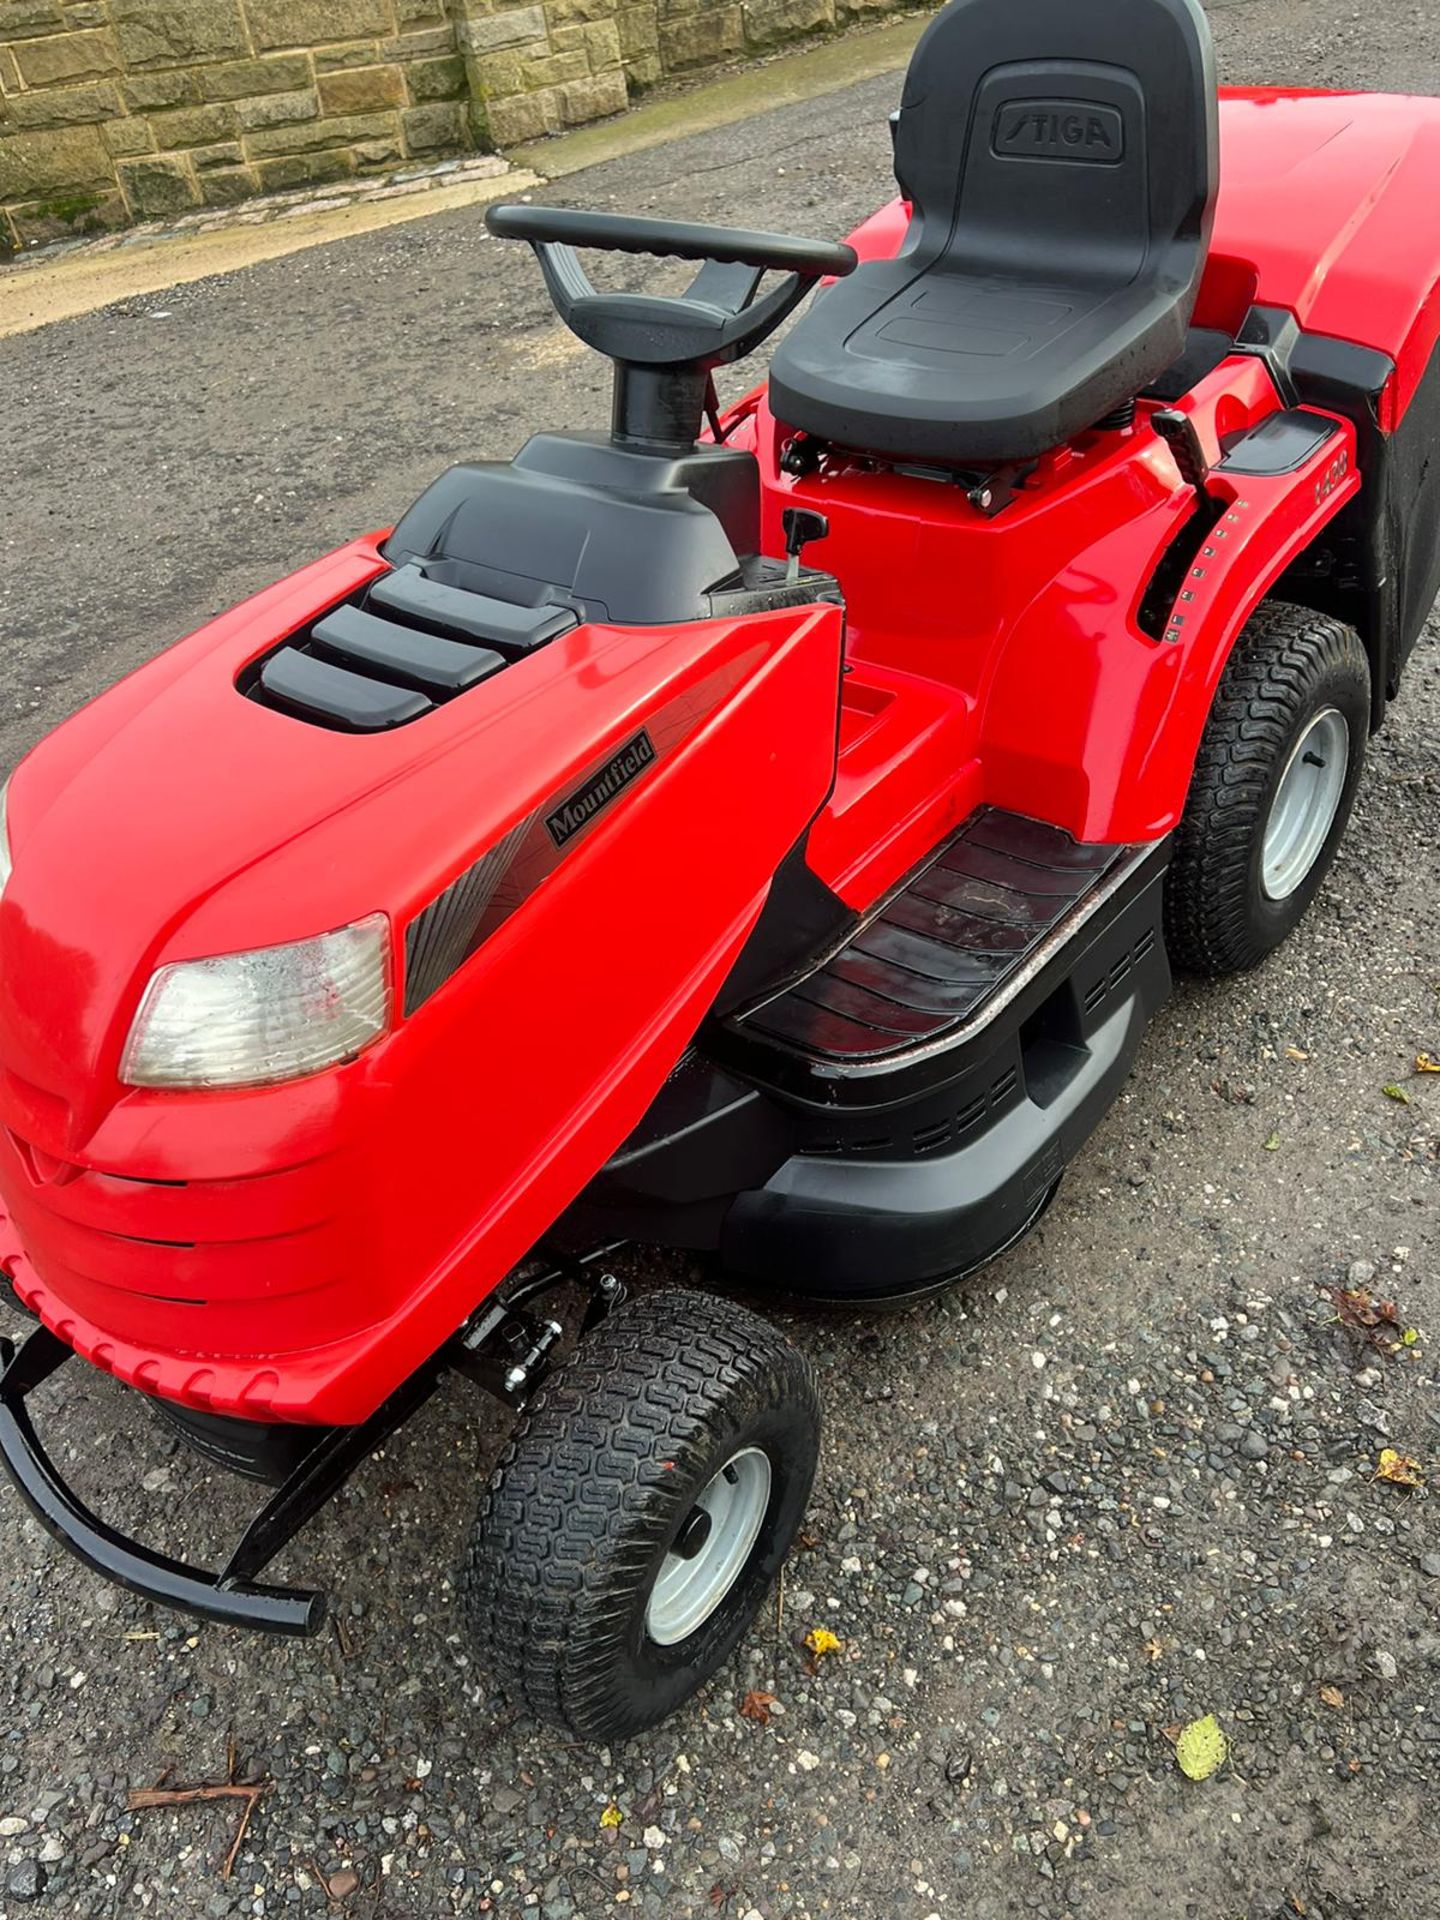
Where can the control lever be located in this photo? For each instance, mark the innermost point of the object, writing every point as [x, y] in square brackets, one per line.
[1177, 430]
[802, 525]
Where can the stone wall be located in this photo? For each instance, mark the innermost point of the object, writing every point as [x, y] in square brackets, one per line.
[121, 110]
[541, 67]
[113, 111]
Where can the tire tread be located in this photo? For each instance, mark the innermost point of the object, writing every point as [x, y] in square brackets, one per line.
[550, 1576]
[1281, 655]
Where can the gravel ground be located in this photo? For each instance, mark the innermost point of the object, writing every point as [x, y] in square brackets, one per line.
[1123, 1480]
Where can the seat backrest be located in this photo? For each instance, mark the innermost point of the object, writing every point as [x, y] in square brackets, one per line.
[1092, 166]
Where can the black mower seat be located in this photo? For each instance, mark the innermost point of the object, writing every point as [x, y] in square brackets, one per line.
[1060, 161]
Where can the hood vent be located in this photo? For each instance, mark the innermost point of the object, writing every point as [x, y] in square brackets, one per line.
[406, 645]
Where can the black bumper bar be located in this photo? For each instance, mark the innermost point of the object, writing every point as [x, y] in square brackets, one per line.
[502, 1348]
[224, 1596]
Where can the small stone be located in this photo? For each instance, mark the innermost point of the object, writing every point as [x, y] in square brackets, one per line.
[27, 1881]
[12, 1824]
[807, 1761]
[1360, 1272]
[1385, 1665]
[1254, 1446]
[1430, 1565]
[653, 1838]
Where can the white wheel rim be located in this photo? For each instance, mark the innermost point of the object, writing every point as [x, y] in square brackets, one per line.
[1305, 804]
[691, 1585]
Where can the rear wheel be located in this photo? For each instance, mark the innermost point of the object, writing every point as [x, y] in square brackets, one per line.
[641, 1511]
[1274, 782]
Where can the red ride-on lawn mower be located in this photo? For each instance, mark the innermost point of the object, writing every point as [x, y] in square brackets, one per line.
[765, 833]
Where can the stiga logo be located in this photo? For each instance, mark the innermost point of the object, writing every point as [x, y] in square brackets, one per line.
[597, 793]
[1060, 130]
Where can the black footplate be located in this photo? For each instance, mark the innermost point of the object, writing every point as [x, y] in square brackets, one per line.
[961, 926]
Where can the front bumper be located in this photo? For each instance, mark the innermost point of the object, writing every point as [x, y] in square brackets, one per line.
[503, 1348]
[233, 1596]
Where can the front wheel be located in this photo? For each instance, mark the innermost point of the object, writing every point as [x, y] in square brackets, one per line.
[1274, 782]
[641, 1511]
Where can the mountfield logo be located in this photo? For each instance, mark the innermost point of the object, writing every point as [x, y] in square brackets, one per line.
[1060, 130]
[597, 793]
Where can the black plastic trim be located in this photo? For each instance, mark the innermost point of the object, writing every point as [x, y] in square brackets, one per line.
[1380, 557]
[409, 657]
[1280, 443]
[916, 1192]
[1272, 334]
[443, 935]
[264, 1451]
[801, 919]
[462, 615]
[309, 689]
[884, 1188]
[1377, 564]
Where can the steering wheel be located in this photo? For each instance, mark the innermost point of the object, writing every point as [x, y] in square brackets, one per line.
[712, 323]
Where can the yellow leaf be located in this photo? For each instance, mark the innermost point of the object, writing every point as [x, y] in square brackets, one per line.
[1392, 1092]
[1426, 1063]
[1201, 1748]
[820, 1641]
[1410, 1336]
[1272, 1143]
[1399, 1469]
[612, 1816]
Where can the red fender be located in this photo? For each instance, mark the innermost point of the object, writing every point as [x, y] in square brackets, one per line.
[1104, 720]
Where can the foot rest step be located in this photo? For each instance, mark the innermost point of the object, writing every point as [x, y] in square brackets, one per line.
[926, 963]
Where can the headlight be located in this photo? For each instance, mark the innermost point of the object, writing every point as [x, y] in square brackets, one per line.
[278, 1013]
[5, 860]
